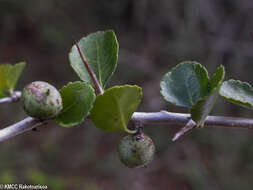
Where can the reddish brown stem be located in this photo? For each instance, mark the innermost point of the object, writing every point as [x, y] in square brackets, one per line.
[89, 69]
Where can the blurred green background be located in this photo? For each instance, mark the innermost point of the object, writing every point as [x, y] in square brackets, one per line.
[153, 36]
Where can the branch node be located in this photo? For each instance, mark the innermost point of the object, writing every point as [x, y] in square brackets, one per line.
[16, 96]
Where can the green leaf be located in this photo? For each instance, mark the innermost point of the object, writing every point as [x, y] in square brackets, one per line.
[101, 52]
[203, 107]
[185, 84]
[9, 75]
[78, 98]
[113, 109]
[188, 85]
[237, 92]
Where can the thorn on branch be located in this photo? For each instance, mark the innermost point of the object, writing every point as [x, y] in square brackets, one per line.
[190, 125]
[143, 118]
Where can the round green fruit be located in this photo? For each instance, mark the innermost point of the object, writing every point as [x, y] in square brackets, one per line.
[41, 100]
[136, 150]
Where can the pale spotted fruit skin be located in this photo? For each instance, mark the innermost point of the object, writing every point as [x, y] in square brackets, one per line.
[136, 151]
[41, 100]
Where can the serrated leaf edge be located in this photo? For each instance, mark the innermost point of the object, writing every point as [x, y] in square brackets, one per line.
[117, 47]
[71, 124]
[211, 90]
[11, 66]
[138, 101]
[174, 68]
[245, 104]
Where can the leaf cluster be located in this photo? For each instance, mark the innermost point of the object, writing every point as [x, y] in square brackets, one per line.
[187, 85]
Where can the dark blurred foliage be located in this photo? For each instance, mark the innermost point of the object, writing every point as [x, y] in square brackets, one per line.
[154, 36]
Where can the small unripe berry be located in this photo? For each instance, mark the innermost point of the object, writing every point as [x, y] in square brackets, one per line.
[41, 100]
[136, 150]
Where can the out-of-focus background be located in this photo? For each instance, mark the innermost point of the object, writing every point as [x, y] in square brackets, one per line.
[154, 36]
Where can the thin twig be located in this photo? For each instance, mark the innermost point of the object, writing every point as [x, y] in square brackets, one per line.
[25, 125]
[180, 119]
[13, 98]
[89, 69]
[152, 118]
